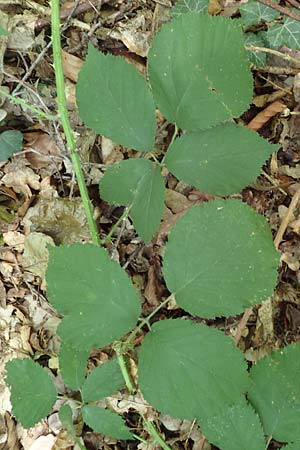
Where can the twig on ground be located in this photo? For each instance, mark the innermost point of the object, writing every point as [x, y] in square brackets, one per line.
[281, 9]
[242, 324]
[289, 58]
[287, 218]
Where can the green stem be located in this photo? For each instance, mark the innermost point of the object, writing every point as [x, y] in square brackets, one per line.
[157, 438]
[145, 321]
[123, 368]
[113, 229]
[65, 121]
[149, 426]
[21, 102]
[172, 141]
[268, 441]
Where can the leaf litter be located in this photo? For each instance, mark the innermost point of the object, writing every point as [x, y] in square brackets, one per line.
[39, 200]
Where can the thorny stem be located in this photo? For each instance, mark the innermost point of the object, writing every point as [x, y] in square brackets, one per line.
[21, 102]
[65, 121]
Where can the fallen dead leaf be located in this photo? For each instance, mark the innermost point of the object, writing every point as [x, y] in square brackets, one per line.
[71, 65]
[264, 116]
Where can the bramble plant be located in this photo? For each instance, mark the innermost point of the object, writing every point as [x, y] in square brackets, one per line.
[219, 259]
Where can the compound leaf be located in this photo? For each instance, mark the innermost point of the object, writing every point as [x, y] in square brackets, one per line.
[221, 160]
[114, 100]
[254, 12]
[257, 40]
[105, 422]
[32, 391]
[237, 428]
[199, 71]
[189, 370]
[231, 263]
[10, 142]
[285, 33]
[65, 416]
[103, 381]
[184, 6]
[72, 365]
[275, 393]
[139, 183]
[93, 293]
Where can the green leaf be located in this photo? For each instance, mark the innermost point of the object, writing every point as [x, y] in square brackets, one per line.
[136, 182]
[286, 33]
[105, 422]
[32, 391]
[254, 12]
[220, 259]
[221, 160]
[10, 142]
[94, 294]
[66, 418]
[236, 428]
[275, 393]
[72, 365]
[189, 370]
[199, 71]
[257, 40]
[103, 381]
[114, 100]
[184, 6]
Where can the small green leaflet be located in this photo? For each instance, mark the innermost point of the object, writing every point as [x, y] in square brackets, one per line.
[103, 381]
[257, 40]
[65, 416]
[254, 12]
[236, 428]
[199, 71]
[189, 370]
[184, 6]
[105, 422]
[94, 294]
[10, 142]
[139, 183]
[232, 261]
[285, 33]
[275, 393]
[114, 100]
[221, 160]
[32, 391]
[72, 365]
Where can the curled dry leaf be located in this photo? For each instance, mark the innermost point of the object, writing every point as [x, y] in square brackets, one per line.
[265, 115]
[40, 148]
[21, 178]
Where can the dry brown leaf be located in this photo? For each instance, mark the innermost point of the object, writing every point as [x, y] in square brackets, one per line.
[71, 66]
[40, 146]
[176, 201]
[21, 178]
[152, 288]
[264, 116]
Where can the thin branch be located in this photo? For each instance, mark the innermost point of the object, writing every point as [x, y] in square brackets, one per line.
[289, 58]
[287, 219]
[65, 121]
